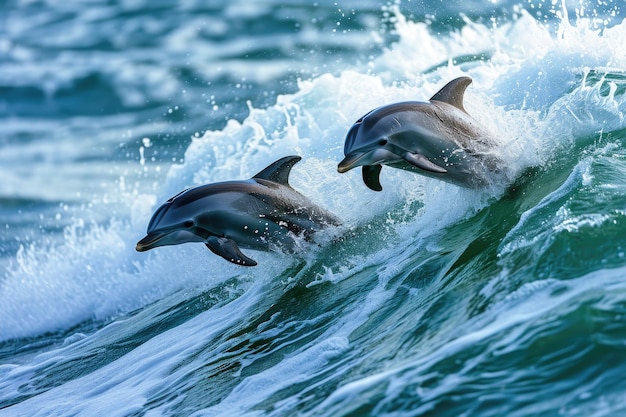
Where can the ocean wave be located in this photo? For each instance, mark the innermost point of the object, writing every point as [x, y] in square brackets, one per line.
[429, 299]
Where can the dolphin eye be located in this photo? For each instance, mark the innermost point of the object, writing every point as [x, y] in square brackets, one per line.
[382, 142]
[188, 224]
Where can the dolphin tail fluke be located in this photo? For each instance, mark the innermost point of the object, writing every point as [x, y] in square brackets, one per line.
[228, 249]
[420, 161]
[371, 176]
[279, 170]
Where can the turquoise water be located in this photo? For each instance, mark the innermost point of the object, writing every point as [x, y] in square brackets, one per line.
[429, 300]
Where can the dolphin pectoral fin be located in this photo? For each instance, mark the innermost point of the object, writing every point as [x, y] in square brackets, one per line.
[420, 161]
[228, 249]
[371, 176]
[453, 92]
[279, 170]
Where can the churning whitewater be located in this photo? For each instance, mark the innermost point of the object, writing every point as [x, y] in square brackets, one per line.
[426, 298]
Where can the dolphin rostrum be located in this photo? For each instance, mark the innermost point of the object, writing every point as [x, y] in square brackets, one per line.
[261, 213]
[437, 138]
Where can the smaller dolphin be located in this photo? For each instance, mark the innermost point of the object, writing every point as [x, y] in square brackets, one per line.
[436, 138]
[261, 213]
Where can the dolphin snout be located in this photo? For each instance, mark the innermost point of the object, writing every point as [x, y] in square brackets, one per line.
[142, 246]
[350, 161]
[375, 156]
[149, 242]
[169, 236]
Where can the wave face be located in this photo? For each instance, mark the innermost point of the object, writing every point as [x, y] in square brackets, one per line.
[429, 300]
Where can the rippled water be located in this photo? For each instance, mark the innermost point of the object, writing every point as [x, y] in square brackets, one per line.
[429, 300]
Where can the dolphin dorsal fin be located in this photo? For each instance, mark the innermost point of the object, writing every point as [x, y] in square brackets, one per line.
[279, 170]
[452, 93]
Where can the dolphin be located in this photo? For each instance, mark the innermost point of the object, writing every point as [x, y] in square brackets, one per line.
[437, 138]
[262, 213]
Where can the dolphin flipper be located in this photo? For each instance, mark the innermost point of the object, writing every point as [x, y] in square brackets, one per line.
[228, 249]
[453, 92]
[279, 170]
[420, 161]
[371, 176]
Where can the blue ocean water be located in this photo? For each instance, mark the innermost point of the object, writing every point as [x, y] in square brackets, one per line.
[429, 300]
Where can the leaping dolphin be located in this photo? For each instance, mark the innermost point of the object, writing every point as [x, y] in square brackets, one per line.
[261, 213]
[438, 139]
